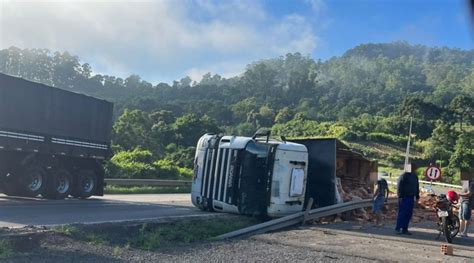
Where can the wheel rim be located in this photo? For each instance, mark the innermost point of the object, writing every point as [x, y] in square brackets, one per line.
[36, 181]
[87, 184]
[63, 184]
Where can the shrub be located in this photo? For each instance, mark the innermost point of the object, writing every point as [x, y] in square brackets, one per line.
[168, 170]
[388, 138]
[6, 249]
[451, 176]
[337, 131]
[180, 156]
[394, 158]
[354, 136]
[140, 164]
[134, 164]
[298, 127]
[420, 172]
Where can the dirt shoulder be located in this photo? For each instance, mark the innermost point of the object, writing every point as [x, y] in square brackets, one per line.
[56, 248]
[163, 242]
[374, 243]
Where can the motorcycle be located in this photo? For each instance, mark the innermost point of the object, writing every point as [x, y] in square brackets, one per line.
[448, 223]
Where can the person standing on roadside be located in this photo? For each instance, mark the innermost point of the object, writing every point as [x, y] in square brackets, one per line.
[467, 202]
[407, 190]
[379, 198]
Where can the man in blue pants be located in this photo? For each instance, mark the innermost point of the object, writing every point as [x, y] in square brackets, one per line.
[408, 190]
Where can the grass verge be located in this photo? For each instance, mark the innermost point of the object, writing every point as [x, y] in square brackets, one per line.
[154, 236]
[151, 238]
[113, 189]
[6, 249]
[67, 229]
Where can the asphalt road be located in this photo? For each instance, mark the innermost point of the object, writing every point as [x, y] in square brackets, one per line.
[19, 212]
[380, 244]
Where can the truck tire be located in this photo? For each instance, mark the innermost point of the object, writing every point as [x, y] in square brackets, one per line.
[60, 185]
[86, 184]
[33, 181]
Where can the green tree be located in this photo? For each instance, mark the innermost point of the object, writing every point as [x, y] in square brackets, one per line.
[299, 126]
[189, 128]
[179, 155]
[165, 116]
[463, 107]
[284, 115]
[241, 109]
[132, 129]
[463, 156]
[266, 115]
[441, 142]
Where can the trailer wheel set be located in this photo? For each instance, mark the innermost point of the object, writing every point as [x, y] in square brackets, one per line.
[51, 183]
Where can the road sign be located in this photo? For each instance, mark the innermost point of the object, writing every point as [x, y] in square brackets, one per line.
[433, 173]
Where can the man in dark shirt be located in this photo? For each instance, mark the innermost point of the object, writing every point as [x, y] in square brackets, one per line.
[407, 190]
[467, 201]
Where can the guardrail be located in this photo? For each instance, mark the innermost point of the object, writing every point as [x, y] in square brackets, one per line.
[147, 182]
[433, 183]
[441, 184]
[300, 217]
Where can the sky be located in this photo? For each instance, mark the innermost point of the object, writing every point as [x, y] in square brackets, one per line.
[165, 40]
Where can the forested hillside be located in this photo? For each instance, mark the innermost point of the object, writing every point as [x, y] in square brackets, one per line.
[365, 97]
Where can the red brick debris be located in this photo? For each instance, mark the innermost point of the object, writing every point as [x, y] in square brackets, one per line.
[424, 210]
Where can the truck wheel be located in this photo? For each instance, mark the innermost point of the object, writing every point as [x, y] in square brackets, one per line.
[60, 185]
[86, 184]
[33, 181]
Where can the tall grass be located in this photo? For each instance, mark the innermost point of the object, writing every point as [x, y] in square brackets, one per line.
[6, 249]
[113, 189]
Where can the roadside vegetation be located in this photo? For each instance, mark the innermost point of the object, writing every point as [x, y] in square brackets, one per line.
[67, 229]
[113, 189]
[365, 97]
[117, 238]
[153, 236]
[6, 250]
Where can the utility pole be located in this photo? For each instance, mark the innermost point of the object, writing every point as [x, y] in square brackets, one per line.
[407, 153]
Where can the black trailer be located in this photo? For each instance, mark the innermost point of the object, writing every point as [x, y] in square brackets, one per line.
[52, 141]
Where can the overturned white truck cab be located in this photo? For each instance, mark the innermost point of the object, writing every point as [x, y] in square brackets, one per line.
[249, 175]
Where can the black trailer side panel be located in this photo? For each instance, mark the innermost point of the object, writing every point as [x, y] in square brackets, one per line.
[321, 184]
[32, 107]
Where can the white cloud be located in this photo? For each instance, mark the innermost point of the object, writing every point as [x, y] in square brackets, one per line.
[234, 9]
[316, 5]
[196, 74]
[156, 39]
[290, 40]
[225, 69]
